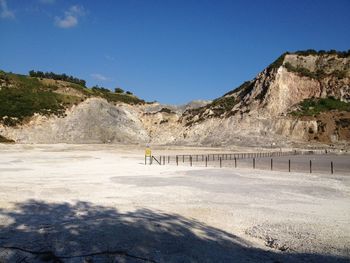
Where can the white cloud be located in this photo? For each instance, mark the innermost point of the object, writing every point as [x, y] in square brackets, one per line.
[4, 11]
[77, 9]
[67, 22]
[71, 17]
[100, 77]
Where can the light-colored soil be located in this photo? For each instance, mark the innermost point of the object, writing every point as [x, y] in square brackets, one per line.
[100, 203]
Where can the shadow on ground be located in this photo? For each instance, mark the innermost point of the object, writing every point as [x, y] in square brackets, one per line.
[60, 232]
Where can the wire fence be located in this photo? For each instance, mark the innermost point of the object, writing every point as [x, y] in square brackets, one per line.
[318, 161]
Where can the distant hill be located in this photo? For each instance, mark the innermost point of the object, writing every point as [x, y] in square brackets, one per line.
[291, 97]
[23, 96]
[302, 98]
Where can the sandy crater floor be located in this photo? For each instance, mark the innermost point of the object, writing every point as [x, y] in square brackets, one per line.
[100, 203]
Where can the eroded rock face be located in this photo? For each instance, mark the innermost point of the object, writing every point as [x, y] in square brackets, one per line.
[259, 108]
[93, 121]
[254, 114]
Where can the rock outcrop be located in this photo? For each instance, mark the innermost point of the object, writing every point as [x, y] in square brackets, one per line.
[260, 108]
[259, 112]
[92, 121]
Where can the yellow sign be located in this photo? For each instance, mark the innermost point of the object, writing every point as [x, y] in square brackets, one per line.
[148, 152]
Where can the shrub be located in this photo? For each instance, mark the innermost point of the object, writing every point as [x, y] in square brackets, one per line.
[166, 110]
[118, 90]
[17, 104]
[323, 52]
[315, 106]
[278, 62]
[319, 74]
[51, 75]
[22, 96]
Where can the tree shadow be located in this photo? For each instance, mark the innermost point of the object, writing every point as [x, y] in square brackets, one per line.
[37, 231]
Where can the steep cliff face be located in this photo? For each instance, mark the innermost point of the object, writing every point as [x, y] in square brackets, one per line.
[277, 88]
[301, 97]
[262, 108]
[92, 121]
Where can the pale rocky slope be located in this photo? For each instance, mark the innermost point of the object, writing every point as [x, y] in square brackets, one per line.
[260, 107]
[257, 113]
[92, 121]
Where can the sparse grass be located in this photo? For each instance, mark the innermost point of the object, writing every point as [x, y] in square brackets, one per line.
[308, 52]
[224, 103]
[303, 71]
[315, 106]
[81, 88]
[245, 85]
[22, 96]
[18, 104]
[278, 62]
[218, 106]
[117, 97]
[318, 74]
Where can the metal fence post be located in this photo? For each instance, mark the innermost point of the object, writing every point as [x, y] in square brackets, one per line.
[332, 168]
[310, 166]
[271, 164]
[220, 163]
[289, 165]
[253, 163]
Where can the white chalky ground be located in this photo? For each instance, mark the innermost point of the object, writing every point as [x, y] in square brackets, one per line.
[100, 203]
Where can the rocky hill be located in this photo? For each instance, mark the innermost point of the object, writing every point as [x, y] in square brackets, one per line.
[41, 110]
[302, 97]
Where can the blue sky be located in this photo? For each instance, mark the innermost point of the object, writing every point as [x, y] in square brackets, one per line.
[170, 51]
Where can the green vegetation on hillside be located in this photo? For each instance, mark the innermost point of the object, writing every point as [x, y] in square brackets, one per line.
[318, 74]
[315, 106]
[308, 52]
[218, 106]
[118, 90]
[51, 75]
[17, 104]
[304, 71]
[22, 96]
[278, 62]
[245, 85]
[118, 96]
[223, 104]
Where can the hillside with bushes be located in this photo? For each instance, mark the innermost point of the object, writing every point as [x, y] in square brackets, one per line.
[302, 97]
[22, 96]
